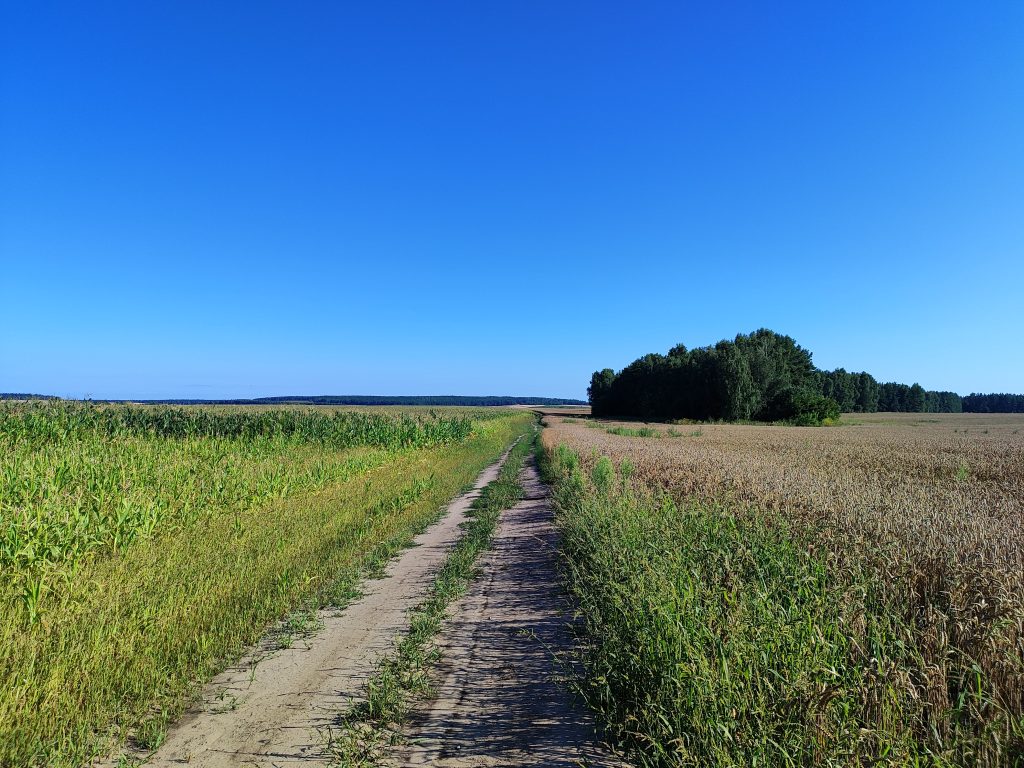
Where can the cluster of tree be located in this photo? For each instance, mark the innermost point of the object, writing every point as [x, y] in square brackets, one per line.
[763, 376]
[995, 403]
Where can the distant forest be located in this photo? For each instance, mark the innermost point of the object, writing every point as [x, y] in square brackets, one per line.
[763, 376]
[437, 400]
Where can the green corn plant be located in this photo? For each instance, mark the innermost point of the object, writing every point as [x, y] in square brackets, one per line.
[32, 596]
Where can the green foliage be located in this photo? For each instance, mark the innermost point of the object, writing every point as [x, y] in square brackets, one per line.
[762, 376]
[715, 639]
[629, 432]
[810, 409]
[59, 420]
[603, 475]
[567, 459]
[600, 389]
[77, 479]
[100, 638]
[994, 403]
[750, 377]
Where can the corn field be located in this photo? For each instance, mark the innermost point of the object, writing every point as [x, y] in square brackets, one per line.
[856, 593]
[76, 478]
[142, 547]
[63, 420]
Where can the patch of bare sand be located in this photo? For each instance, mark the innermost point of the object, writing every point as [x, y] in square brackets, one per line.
[500, 698]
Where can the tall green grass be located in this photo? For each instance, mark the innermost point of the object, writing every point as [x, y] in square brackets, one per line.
[628, 432]
[78, 479]
[113, 639]
[716, 639]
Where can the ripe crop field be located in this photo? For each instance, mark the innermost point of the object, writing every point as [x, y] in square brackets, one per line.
[760, 595]
[142, 548]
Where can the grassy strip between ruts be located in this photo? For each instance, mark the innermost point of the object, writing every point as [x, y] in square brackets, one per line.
[135, 634]
[365, 732]
[711, 638]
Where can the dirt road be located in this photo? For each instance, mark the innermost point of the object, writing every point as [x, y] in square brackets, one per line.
[268, 711]
[500, 702]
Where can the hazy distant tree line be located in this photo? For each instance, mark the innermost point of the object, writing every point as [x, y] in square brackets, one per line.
[435, 400]
[763, 376]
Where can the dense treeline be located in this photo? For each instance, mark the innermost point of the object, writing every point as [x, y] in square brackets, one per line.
[860, 392]
[996, 403]
[763, 376]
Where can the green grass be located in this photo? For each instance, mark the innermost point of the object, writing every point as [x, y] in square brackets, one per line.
[673, 432]
[716, 639]
[628, 432]
[63, 420]
[79, 479]
[115, 639]
[363, 733]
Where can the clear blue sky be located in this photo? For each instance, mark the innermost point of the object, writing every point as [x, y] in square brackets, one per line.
[245, 199]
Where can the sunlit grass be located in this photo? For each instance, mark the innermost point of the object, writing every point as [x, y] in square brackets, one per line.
[105, 640]
[739, 611]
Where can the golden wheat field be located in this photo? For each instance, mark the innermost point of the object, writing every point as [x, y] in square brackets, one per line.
[926, 510]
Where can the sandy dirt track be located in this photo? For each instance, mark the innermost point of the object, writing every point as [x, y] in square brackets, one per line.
[500, 701]
[270, 712]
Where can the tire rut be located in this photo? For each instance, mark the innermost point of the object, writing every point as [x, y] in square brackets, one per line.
[501, 698]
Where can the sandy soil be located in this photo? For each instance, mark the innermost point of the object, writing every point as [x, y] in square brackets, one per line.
[501, 701]
[270, 708]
